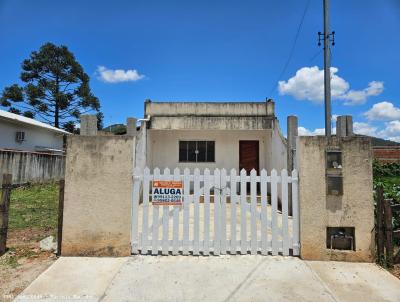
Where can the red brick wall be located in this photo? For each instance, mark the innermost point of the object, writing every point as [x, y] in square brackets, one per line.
[387, 154]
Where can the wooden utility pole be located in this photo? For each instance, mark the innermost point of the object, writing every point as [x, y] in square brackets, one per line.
[4, 209]
[379, 224]
[388, 232]
[60, 215]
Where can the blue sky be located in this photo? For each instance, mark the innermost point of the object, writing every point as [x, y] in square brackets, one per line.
[219, 51]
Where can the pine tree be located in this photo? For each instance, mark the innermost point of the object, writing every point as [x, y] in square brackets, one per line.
[56, 88]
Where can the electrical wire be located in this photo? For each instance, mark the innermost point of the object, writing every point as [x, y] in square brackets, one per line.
[315, 56]
[299, 27]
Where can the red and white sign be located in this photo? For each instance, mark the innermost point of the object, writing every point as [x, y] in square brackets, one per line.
[167, 192]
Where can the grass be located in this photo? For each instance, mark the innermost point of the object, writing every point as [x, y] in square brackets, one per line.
[33, 214]
[391, 180]
[34, 206]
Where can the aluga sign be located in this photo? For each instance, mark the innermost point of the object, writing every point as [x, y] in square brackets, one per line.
[167, 192]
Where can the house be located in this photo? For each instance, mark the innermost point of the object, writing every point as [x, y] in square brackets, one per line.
[239, 135]
[25, 134]
[306, 213]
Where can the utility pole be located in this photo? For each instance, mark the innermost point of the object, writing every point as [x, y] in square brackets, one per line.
[327, 38]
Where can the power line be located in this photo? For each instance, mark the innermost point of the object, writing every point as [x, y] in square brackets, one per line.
[315, 56]
[293, 47]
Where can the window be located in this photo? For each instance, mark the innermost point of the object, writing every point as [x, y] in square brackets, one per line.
[334, 159]
[20, 136]
[197, 151]
[335, 185]
[334, 177]
[340, 238]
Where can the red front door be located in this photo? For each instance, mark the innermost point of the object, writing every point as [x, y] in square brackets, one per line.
[249, 156]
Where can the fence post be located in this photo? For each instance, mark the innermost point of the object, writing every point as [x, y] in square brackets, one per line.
[4, 209]
[388, 232]
[379, 223]
[60, 215]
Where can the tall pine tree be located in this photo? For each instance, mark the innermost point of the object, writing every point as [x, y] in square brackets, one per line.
[56, 88]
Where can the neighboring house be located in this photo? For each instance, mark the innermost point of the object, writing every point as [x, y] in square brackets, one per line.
[240, 135]
[386, 154]
[21, 133]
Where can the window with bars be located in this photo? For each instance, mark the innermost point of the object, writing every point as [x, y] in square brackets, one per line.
[196, 151]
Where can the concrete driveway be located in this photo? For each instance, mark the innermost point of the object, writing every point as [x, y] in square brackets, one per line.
[223, 278]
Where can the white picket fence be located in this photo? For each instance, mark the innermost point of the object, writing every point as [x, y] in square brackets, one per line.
[243, 222]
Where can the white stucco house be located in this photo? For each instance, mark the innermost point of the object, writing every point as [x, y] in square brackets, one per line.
[21, 133]
[211, 135]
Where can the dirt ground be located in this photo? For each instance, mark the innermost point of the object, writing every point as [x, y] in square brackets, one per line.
[396, 270]
[23, 262]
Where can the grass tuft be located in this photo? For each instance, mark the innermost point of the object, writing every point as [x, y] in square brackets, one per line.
[34, 206]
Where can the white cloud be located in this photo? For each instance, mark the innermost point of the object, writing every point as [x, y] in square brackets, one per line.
[308, 84]
[118, 75]
[392, 129]
[303, 131]
[383, 111]
[355, 97]
[318, 131]
[394, 138]
[364, 129]
[358, 128]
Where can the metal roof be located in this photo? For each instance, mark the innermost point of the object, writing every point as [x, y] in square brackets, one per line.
[28, 121]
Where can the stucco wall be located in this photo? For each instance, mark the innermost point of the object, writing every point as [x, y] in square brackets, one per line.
[210, 116]
[355, 208]
[211, 123]
[278, 149]
[141, 147]
[164, 146]
[34, 137]
[98, 192]
[209, 108]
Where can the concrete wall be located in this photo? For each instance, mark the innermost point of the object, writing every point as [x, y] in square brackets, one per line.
[211, 123]
[210, 116]
[141, 148]
[31, 167]
[164, 146]
[209, 108]
[278, 149]
[98, 193]
[355, 208]
[35, 138]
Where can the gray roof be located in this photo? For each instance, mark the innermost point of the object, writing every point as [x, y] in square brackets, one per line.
[12, 117]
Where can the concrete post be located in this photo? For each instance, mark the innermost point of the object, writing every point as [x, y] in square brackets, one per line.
[341, 126]
[270, 107]
[141, 147]
[320, 210]
[292, 133]
[349, 125]
[344, 126]
[131, 126]
[88, 125]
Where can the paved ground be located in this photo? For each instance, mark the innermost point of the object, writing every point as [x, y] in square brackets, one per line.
[224, 278]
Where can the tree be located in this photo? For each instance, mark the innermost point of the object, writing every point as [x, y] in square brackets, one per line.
[56, 88]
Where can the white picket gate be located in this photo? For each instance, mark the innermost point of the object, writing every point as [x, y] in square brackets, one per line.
[243, 221]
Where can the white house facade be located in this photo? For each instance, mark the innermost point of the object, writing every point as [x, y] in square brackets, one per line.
[239, 135]
[26, 134]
